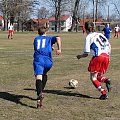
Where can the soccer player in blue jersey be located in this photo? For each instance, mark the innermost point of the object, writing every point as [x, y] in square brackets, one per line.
[42, 62]
[106, 31]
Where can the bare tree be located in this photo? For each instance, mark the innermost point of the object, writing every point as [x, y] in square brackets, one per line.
[43, 12]
[75, 15]
[4, 9]
[116, 5]
[97, 4]
[22, 13]
[57, 15]
[15, 10]
[57, 7]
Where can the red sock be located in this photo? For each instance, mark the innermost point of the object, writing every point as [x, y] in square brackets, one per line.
[102, 90]
[102, 79]
[97, 84]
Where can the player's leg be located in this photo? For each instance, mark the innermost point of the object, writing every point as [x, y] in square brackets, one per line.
[103, 68]
[117, 34]
[105, 80]
[38, 70]
[8, 34]
[48, 66]
[101, 78]
[39, 84]
[97, 84]
[39, 90]
[11, 35]
[44, 81]
[96, 64]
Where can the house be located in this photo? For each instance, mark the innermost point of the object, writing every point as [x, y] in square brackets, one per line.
[65, 23]
[1, 23]
[33, 24]
[99, 23]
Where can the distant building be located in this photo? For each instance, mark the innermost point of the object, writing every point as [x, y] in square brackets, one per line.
[99, 23]
[1, 23]
[65, 23]
[33, 24]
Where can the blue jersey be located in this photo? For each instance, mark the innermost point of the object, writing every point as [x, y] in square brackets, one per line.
[43, 54]
[43, 46]
[107, 31]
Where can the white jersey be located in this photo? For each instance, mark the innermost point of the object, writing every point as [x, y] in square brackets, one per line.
[10, 27]
[98, 43]
[117, 29]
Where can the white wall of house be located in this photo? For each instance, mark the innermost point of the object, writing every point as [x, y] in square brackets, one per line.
[8, 23]
[2, 24]
[51, 26]
[67, 24]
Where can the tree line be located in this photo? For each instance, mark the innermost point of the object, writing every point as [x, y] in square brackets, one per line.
[20, 11]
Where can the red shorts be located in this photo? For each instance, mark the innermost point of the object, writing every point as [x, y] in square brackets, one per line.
[99, 63]
[116, 33]
[10, 31]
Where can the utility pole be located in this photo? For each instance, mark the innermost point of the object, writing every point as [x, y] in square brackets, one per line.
[108, 13]
[5, 15]
[83, 14]
[94, 12]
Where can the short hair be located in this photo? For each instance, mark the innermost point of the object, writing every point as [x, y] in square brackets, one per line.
[42, 30]
[89, 26]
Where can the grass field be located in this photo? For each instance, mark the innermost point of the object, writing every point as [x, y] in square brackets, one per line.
[17, 82]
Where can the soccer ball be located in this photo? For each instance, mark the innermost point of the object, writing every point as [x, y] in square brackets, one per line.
[73, 83]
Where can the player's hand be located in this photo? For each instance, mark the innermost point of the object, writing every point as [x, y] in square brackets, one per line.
[79, 56]
[53, 48]
[58, 52]
[82, 56]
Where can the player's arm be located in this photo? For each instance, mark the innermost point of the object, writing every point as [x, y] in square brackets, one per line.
[58, 51]
[110, 48]
[82, 56]
[53, 48]
[110, 30]
[86, 49]
[103, 30]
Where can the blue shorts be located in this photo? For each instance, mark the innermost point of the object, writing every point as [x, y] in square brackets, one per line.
[43, 65]
[107, 36]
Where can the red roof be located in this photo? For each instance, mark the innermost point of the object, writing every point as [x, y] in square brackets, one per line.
[40, 21]
[100, 20]
[1, 18]
[62, 18]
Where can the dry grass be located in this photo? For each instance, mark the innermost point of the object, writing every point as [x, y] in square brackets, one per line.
[17, 83]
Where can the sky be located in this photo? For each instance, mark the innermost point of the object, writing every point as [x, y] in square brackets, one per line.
[112, 8]
[104, 8]
[107, 9]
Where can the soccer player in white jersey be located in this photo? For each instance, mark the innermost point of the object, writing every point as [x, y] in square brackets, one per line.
[10, 31]
[101, 49]
[116, 29]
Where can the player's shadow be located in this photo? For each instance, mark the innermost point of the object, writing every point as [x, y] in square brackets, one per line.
[68, 93]
[29, 89]
[15, 98]
[65, 93]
